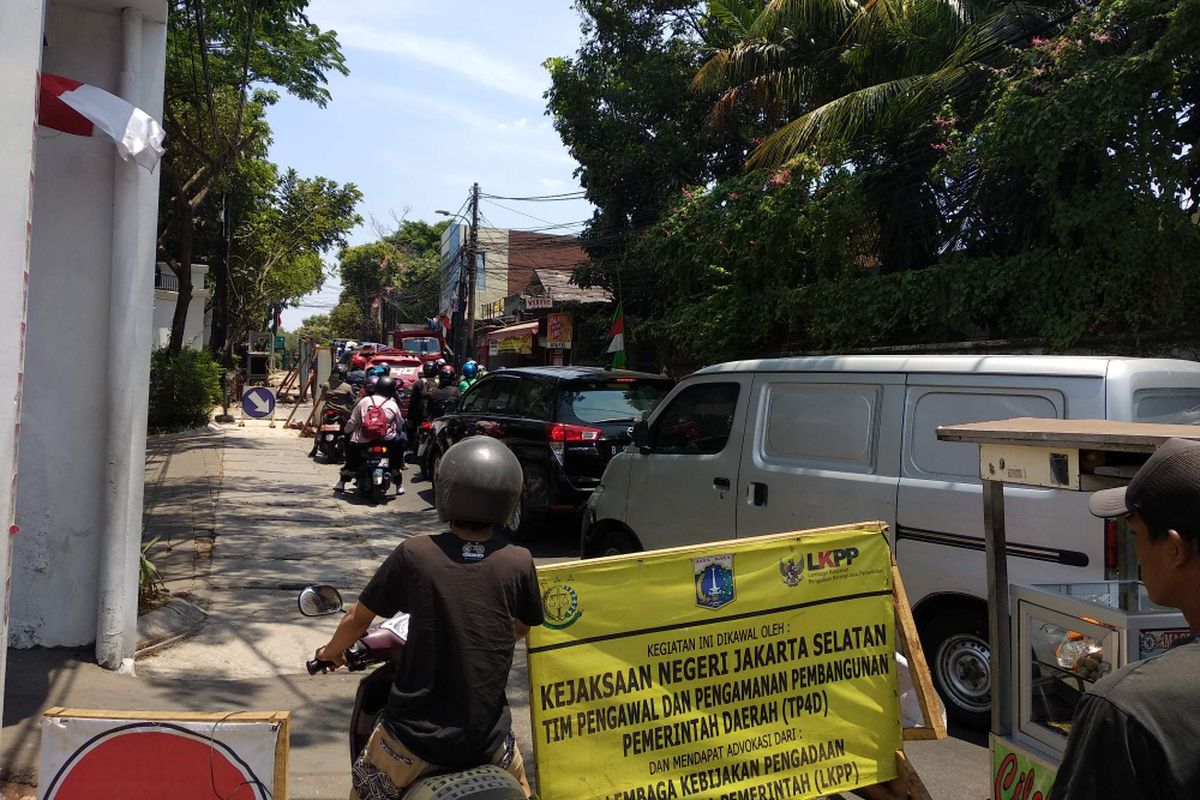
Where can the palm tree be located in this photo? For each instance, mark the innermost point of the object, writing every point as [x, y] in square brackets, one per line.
[864, 82]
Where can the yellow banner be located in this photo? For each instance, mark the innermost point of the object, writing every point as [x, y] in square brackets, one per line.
[744, 670]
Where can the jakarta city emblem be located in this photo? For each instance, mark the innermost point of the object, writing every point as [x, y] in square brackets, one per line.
[560, 604]
[713, 576]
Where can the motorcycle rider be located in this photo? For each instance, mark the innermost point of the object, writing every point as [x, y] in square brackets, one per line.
[439, 400]
[470, 595]
[416, 403]
[340, 396]
[383, 396]
[470, 374]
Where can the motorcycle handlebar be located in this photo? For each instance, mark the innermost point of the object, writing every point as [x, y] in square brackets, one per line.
[317, 665]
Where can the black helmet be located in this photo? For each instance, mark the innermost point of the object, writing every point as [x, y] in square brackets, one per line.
[429, 369]
[478, 480]
[386, 386]
[447, 376]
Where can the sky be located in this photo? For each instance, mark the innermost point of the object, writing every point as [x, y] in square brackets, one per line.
[439, 95]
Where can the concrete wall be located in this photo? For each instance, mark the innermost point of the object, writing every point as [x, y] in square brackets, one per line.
[21, 22]
[67, 486]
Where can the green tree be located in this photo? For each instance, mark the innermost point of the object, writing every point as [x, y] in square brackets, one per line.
[276, 252]
[394, 278]
[346, 321]
[623, 108]
[877, 86]
[317, 328]
[216, 51]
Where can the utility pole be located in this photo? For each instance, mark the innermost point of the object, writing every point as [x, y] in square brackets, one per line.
[460, 315]
[473, 255]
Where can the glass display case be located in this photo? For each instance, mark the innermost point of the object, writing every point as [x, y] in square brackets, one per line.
[1065, 637]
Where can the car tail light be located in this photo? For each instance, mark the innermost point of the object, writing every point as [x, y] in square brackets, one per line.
[378, 449]
[426, 425]
[559, 433]
[1111, 549]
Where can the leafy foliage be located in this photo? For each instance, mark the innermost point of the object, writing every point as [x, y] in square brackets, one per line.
[184, 387]
[954, 171]
[226, 61]
[346, 320]
[276, 251]
[398, 271]
[317, 328]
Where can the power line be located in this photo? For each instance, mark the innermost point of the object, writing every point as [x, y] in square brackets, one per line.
[543, 198]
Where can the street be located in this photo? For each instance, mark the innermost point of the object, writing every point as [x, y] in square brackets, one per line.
[249, 520]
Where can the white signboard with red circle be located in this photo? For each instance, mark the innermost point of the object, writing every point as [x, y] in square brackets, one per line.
[144, 755]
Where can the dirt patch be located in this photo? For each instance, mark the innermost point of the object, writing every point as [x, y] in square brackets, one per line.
[204, 548]
[17, 791]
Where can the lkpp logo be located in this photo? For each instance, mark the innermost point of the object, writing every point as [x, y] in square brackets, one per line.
[1015, 781]
[831, 559]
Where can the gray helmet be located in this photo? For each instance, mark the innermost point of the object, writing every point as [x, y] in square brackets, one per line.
[478, 480]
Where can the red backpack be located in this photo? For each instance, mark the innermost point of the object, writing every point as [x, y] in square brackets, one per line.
[374, 422]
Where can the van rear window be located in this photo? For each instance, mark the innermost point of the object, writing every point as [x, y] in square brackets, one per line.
[1167, 406]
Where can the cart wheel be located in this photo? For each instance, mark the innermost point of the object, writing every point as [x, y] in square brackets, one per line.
[959, 656]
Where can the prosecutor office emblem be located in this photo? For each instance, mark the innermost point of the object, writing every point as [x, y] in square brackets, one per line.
[713, 577]
[560, 605]
[792, 571]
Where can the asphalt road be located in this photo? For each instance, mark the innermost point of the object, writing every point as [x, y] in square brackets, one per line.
[248, 520]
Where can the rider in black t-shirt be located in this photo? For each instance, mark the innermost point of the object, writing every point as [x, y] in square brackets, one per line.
[471, 595]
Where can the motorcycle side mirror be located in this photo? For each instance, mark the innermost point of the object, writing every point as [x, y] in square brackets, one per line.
[640, 434]
[319, 601]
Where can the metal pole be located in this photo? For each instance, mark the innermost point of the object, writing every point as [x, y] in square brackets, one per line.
[127, 388]
[460, 316]
[999, 622]
[473, 252]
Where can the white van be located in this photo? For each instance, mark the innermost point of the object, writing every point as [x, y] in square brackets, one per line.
[754, 447]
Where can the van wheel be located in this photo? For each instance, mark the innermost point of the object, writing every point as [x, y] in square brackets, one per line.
[615, 542]
[960, 659]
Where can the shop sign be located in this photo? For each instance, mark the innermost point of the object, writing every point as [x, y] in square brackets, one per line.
[1018, 775]
[558, 331]
[516, 345]
[533, 303]
[760, 667]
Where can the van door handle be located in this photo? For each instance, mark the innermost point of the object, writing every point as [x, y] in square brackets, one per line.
[756, 494]
[721, 484]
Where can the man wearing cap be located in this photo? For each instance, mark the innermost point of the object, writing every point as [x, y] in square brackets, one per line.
[1136, 733]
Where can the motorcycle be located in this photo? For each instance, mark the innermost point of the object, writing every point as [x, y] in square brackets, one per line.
[381, 647]
[331, 438]
[425, 446]
[375, 473]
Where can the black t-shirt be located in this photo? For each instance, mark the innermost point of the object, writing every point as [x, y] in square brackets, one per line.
[439, 398]
[448, 703]
[1136, 733]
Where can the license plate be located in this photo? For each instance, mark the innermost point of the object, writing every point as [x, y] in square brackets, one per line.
[329, 437]
[383, 462]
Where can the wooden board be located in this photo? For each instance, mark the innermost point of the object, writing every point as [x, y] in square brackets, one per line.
[910, 647]
[1080, 434]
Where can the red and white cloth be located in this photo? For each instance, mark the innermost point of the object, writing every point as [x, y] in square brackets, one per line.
[72, 107]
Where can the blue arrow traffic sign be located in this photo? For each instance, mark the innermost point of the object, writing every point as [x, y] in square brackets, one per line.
[258, 402]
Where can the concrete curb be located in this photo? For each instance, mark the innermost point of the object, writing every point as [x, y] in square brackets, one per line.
[167, 625]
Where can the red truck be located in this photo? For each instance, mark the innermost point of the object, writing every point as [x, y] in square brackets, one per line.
[427, 343]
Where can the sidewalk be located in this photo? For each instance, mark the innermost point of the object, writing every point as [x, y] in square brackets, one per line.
[245, 520]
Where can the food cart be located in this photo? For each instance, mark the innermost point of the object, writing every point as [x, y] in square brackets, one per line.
[1051, 642]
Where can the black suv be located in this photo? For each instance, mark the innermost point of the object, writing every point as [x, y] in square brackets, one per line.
[563, 423]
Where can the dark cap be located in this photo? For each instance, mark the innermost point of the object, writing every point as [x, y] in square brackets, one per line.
[1165, 491]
